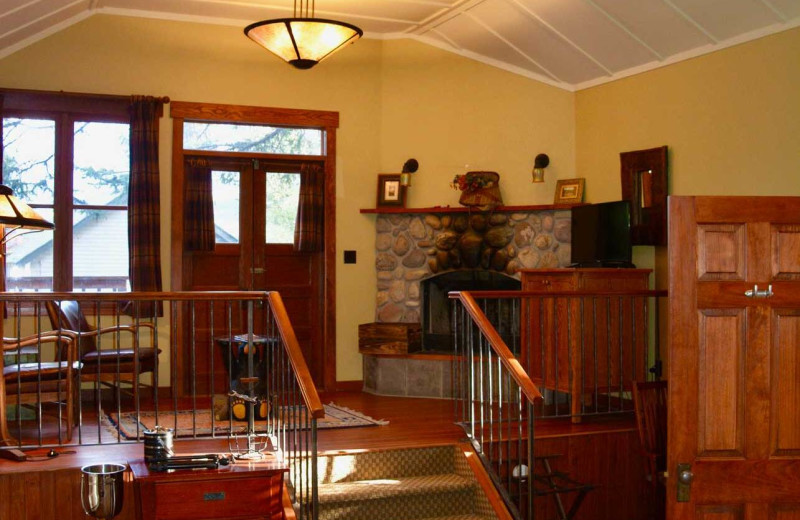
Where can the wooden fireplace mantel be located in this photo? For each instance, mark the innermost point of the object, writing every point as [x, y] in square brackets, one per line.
[462, 209]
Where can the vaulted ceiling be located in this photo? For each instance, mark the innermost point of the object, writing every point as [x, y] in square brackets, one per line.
[571, 44]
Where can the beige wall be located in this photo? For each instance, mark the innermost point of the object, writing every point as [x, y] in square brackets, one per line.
[731, 120]
[396, 100]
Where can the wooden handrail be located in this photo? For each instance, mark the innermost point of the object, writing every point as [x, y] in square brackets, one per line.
[304, 380]
[494, 295]
[499, 346]
[134, 296]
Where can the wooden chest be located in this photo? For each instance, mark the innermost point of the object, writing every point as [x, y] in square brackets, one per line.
[389, 338]
[243, 490]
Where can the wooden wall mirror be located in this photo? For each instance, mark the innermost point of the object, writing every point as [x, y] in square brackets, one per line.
[644, 185]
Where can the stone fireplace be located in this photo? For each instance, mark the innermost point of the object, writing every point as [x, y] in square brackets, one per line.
[423, 254]
[412, 247]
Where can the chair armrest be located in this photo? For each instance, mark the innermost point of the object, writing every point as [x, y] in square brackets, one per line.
[63, 339]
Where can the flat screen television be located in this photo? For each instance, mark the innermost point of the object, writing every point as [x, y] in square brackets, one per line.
[601, 235]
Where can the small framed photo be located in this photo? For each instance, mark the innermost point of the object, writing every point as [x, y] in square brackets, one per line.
[390, 191]
[569, 191]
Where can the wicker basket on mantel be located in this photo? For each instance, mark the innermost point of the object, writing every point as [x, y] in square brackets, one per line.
[485, 197]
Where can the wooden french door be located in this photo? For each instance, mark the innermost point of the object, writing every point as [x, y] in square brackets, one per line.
[249, 257]
[734, 358]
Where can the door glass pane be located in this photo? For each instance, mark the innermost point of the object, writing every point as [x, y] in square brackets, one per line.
[28, 155]
[225, 191]
[100, 250]
[283, 194]
[29, 260]
[252, 138]
[101, 164]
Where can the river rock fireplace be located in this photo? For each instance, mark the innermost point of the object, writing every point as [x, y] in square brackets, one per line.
[422, 255]
[413, 247]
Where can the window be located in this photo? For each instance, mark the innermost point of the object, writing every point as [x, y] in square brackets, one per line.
[283, 195]
[73, 168]
[225, 192]
[223, 137]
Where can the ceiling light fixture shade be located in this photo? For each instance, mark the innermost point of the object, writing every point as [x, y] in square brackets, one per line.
[16, 214]
[302, 41]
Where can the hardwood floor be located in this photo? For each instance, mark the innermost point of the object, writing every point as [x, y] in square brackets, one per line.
[589, 450]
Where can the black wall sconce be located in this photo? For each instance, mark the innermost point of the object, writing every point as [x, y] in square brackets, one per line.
[410, 166]
[539, 164]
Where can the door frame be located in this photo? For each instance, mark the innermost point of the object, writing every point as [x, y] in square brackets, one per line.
[220, 113]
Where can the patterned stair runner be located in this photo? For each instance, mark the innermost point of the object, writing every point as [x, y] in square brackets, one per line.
[414, 484]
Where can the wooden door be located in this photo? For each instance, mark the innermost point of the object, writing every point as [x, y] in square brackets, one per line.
[250, 258]
[734, 359]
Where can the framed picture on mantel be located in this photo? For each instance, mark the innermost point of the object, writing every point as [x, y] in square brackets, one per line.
[569, 191]
[390, 192]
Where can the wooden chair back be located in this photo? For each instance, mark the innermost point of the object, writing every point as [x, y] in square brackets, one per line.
[67, 314]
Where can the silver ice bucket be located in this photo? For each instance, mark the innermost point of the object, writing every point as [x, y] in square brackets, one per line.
[101, 490]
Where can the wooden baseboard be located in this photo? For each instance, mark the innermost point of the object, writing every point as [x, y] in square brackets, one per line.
[349, 386]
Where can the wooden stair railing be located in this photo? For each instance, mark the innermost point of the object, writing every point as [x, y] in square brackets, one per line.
[295, 429]
[496, 399]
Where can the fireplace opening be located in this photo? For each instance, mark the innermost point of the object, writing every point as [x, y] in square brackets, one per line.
[437, 308]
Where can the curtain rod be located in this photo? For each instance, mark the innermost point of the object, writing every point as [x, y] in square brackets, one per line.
[163, 99]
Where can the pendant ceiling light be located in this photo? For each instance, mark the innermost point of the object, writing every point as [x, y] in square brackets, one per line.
[302, 41]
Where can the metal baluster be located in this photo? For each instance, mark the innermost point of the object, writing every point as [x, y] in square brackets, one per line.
[595, 394]
[609, 344]
[193, 364]
[211, 356]
[555, 355]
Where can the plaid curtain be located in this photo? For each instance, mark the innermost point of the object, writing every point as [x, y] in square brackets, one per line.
[198, 222]
[144, 212]
[310, 224]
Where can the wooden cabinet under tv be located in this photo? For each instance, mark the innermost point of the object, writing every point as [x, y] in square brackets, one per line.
[590, 344]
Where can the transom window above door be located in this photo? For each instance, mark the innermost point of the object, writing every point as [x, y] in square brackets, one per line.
[228, 137]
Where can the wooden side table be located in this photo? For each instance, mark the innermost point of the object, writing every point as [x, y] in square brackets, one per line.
[250, 490]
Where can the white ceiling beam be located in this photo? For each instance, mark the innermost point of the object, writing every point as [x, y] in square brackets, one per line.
[562, 36]
[40, 18]
[489, 61]
[514, 47]
[783, 17]
[444, 15]
[692, 21]
[613, 19]
[19, 8]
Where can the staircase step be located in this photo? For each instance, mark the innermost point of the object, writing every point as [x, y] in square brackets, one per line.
[458, 517]
[402, 498]
[384, 464]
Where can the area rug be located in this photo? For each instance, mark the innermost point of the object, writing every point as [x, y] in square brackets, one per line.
[126, 425]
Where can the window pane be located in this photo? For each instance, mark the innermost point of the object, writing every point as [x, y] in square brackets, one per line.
[225, 191]
[28, 152]
[100, 250]
[283, 193]
[252, 138]
[101, 164]
[29, 263]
